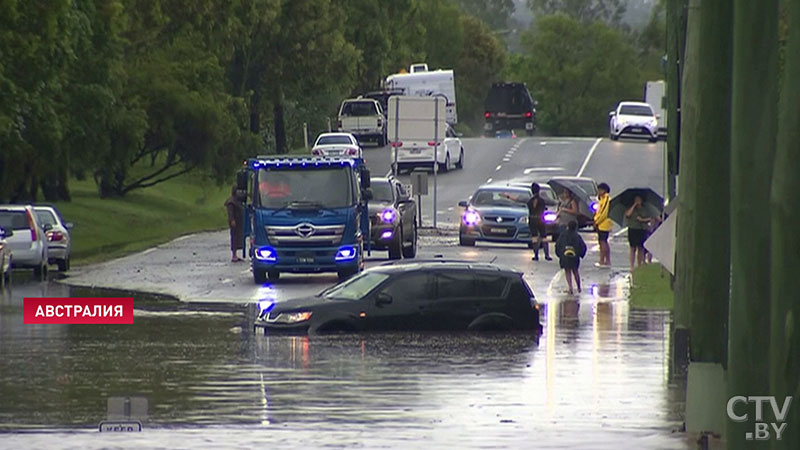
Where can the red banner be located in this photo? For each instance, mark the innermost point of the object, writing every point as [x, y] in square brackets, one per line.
[69, 310]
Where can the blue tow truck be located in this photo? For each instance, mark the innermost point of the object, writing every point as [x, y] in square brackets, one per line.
[305, 215]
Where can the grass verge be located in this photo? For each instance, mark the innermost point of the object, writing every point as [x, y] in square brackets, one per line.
[113, 227]
[650, 288]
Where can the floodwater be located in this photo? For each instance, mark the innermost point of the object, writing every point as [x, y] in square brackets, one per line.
[597, 378]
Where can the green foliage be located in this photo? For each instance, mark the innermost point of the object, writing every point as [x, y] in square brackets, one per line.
[608, 11]
[577, 72]
[481, 62]
[495, 13]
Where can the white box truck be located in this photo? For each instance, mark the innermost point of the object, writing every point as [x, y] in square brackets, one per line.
[424, 83]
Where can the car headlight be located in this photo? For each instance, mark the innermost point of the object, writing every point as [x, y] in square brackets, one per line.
[388, 215]
[471, 217]
[294, 317]
[523, 220]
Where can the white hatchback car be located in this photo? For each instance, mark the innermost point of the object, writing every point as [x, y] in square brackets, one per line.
[28, 243]
[633, 119]
[59, 243]
[337, 144]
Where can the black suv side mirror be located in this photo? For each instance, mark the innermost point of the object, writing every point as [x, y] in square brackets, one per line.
[463, 203]
[365, 180]
[383, 299]
[367, 194]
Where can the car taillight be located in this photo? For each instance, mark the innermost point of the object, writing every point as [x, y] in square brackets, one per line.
[528, 114]
[431, 143]
[352, 151]
[31, 225]
[487, 114]
[53, 236]
[397, 144]
[316, 152]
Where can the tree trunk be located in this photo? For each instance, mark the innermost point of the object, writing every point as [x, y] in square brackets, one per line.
[711, 147]
[676, 40]
[785, 207]
[685, 245]
[754, 125]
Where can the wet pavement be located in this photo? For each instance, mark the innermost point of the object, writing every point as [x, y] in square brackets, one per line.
[597, 378]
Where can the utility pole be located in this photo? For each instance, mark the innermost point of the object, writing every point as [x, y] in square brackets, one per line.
[785, 251]
[754, 124]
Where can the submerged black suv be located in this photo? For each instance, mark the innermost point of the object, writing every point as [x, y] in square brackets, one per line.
[436, 295]
[509, 106]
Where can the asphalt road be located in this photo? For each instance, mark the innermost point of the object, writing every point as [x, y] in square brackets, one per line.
[196, 267]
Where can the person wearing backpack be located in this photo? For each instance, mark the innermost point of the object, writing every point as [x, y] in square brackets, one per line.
[570, 248]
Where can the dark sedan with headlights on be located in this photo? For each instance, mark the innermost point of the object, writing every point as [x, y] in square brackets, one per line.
[393, 218]
[437, 295]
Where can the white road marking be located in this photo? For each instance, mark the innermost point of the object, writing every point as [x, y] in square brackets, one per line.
[149, 250]
[620, 232]
[556, 279]
[498, 167]
[488, 181]
[541, 169]
[506, 159]
[181, 238]
[226, 281]
[450, 208]
[589, 157]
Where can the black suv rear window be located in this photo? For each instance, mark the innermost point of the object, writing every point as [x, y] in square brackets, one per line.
[513, 99]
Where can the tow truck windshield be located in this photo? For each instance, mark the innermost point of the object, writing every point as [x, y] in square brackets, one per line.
[324, 188]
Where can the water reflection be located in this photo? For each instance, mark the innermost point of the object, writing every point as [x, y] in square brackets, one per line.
[600, 368]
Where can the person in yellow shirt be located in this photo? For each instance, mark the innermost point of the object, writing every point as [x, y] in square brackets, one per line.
[603, 224]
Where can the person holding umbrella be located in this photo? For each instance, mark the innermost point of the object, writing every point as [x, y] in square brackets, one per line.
[638, 222]
[567, 210]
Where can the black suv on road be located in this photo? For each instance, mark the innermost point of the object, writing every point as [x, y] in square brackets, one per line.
[509, 106]
[436, 295]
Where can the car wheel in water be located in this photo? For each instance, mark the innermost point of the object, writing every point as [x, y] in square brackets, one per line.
[460, 163]
[465, 241]
[396, 246]
[411, 250]
[273, 275]
[40, 271]
[381, 141]
[613, 136]
[63, 265]
[259, 276]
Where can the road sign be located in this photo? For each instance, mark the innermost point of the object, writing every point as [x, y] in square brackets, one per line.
[415, 119]
[419, 182]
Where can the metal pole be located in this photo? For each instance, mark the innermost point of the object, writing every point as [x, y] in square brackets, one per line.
[329, 125]
[396, 127]
[435, 156]
[305, 134]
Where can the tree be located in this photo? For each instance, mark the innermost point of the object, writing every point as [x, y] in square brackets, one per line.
[608, 11]
[481, 61]
[495, 13]
[577, 72]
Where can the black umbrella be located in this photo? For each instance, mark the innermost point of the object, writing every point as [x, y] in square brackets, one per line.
[653, 204]
[580, 195]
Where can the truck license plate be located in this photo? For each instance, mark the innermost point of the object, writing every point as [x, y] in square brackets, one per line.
[305, 258]
[498, 230]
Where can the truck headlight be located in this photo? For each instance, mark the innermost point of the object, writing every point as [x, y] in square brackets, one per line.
[346, 253]
[267, 254]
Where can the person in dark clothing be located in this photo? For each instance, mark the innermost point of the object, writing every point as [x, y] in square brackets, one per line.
[536, 207]
[570, 248]
[235, 217]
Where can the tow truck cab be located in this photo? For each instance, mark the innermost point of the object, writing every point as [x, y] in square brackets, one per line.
[305, 215]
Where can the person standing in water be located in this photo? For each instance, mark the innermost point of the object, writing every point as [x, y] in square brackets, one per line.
[570, 248]
[235, 210]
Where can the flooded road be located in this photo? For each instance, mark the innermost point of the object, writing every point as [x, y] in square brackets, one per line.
[597, 378]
